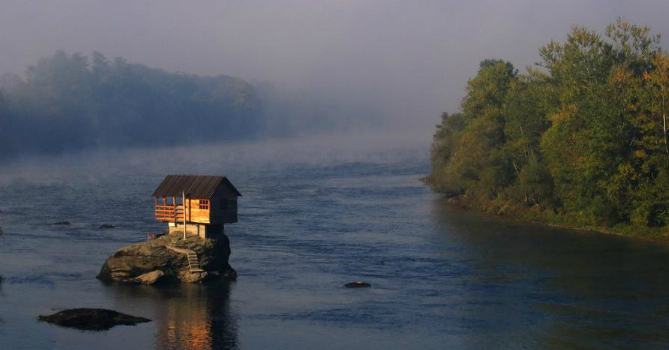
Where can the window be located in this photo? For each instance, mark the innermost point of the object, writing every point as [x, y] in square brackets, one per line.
[203, 204]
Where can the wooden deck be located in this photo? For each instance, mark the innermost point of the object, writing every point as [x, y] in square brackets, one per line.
[170, 213]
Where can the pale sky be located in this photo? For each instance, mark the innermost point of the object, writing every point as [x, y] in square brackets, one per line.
[409, 59]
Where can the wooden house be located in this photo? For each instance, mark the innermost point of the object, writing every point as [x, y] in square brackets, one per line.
[196, 205]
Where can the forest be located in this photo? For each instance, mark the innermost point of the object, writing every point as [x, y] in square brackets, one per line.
[70, 102]
[67, 103]
[579, 140]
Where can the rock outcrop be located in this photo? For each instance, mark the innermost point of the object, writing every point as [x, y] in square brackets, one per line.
[92, 319]
[165, 259]
[152, 277]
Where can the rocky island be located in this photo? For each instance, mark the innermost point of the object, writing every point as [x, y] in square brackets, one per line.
[194, 248]
[169, 259]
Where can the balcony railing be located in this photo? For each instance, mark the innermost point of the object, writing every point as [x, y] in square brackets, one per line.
[170, 213]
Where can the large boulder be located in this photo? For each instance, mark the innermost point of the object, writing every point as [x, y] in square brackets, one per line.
[165, 259]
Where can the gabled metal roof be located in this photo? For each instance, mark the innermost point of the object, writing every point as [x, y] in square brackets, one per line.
[195, 186]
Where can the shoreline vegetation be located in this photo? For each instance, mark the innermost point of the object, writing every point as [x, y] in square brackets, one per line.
[580, 141]
[506, 211]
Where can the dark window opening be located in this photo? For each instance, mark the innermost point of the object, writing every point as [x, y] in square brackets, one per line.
[203, 204]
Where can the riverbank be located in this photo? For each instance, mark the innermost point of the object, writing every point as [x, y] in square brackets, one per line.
[536, 214]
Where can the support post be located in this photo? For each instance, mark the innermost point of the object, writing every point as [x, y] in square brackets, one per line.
[183, 194]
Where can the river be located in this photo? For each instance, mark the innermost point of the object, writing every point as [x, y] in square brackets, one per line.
[315, 215]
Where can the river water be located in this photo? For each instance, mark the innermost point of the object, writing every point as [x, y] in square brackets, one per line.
[315, 215]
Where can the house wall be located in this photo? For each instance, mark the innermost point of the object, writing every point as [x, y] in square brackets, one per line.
[223, 208]
[195, 214]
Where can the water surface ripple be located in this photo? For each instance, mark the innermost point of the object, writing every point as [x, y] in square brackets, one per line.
[440, 278]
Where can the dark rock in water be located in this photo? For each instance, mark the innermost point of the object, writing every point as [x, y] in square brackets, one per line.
[107, 226]
[357, 284]
[61, 223]
[92, 319]
[167, 254]
[230, 275]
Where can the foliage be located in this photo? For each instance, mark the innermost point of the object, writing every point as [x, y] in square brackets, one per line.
[68, 102]
[581, 139]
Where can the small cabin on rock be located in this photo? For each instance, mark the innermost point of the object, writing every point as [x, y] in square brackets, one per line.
[195, 205]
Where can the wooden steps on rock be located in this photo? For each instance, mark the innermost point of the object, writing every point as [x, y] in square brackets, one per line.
[193, 261]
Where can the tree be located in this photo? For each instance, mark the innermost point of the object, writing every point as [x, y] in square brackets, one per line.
[445, 141]
[655, 98]
[467, 153]
[585, 134]
[67, 103]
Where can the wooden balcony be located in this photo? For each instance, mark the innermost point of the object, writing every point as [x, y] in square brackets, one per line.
[170, 213]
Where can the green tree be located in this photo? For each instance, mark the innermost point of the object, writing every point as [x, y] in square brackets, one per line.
[445, 141]
[584, 135]
[472, 160]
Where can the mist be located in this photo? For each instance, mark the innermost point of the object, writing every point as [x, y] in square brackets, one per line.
[397, 64]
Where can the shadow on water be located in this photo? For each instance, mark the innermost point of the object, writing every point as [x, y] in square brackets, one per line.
[186, 316]
[555, 287]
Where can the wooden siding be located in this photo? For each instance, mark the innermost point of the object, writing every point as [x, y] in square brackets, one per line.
[196, 212]
[201, 211]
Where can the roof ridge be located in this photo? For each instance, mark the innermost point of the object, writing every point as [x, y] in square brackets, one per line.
[195, 186]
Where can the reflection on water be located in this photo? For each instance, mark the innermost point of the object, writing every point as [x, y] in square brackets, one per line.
[188, 316]
[570, 289]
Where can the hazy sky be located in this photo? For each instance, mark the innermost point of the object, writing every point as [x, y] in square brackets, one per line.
[410, 59]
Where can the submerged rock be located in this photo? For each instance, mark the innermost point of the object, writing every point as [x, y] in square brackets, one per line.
[357, 284]
[91, 319]
[166, 255]
[60, 223]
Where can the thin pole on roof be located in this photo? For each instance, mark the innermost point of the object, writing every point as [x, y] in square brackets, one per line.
[183, 194]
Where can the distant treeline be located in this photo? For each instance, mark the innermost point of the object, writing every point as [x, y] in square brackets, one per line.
[73, 102]
[580, 140]
[66, 102]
